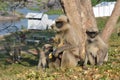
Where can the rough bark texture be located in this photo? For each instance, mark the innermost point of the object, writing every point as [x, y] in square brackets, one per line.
[110, 25]
[81, 16]
[80, 11]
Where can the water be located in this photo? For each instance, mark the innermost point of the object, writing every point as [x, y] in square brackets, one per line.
[12, 26]
[18, 25]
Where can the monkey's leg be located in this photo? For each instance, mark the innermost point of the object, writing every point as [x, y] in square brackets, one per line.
[101, 56]
[99, 59]
[57, 63]
[91, 58]
[65, 60]
[68, 60]
[44, 63]
[106, 57]
[105, 51]
[86, 60]
[39, 64]
[73, 61]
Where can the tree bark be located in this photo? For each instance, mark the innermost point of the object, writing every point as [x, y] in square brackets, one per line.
[80, 11]
[81, 17]
[110, 25]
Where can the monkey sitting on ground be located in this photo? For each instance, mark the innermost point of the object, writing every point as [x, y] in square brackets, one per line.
[96, 48]
[69, 40]
[46, 58]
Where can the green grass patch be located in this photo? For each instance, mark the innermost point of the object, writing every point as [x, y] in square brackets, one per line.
[59, 12]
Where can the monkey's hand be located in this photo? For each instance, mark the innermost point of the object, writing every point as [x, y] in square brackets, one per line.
[56, 52]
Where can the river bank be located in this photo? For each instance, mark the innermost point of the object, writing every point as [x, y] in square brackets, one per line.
[11, 16]
[8, 18]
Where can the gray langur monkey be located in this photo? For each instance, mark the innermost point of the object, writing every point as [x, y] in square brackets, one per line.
[68, 42]
[96, 48]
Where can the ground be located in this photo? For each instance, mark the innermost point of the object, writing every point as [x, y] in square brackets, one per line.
[26, 69]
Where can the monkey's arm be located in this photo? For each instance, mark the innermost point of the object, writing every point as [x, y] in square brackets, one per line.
[61, 43]
[86, 60]
[56, 39]
[39, 64]
[61, 49]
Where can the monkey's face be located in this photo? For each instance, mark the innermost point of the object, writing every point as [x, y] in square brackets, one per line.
[48, 48]
[60, 24]
[91, 34]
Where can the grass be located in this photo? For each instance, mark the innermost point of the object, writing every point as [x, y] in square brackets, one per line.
[58, 12]
[26, 69]
[50, 12]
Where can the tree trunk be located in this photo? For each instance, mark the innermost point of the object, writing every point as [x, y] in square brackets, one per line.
[80, 11]
[81, 17]
[110, 25]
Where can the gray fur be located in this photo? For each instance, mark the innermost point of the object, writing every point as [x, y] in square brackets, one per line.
[96, 50]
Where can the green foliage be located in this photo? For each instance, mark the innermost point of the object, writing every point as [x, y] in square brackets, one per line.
[3, 6]
[34, 9]
[95, 2]
[59, 11]
[23, 27]
[39, 0]
[101, 22]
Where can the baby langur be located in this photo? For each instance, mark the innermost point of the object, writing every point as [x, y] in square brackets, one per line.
[44, 56]
[47, 59]
[96, 48]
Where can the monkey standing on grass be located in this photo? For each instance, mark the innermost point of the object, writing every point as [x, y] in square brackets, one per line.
[96, 48]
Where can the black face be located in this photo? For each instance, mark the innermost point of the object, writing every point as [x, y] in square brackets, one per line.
[92, 34]
[59, 24]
